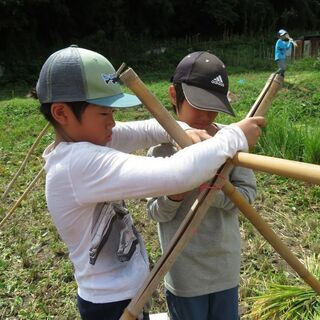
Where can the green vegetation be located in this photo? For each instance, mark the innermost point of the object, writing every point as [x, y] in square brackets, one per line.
[36, 280]
[110, 27]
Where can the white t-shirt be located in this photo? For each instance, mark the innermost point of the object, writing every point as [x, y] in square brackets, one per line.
[82, 176]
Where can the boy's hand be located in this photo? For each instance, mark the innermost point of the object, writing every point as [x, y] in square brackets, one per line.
[197, 135]
[178, 197]
[251, 127]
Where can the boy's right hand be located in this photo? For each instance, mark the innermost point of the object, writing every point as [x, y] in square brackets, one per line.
[251, 127]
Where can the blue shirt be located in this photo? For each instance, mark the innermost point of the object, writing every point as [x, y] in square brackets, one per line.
[281, 49]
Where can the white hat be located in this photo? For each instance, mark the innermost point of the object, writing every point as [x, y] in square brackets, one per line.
[282, 32]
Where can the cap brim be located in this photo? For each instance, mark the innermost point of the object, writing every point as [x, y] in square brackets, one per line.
[122, 100]
[206, 100]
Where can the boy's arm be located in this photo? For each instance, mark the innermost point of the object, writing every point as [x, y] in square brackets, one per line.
[141, 134]
[162, 209]
[289, 44]
[245, 182]
[111, 175]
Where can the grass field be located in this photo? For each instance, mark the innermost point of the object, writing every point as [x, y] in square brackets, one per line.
[36, 279]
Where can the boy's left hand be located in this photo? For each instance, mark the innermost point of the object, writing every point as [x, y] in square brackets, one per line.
[197, 135]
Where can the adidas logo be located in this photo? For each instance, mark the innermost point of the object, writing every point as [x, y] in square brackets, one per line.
[218, 80]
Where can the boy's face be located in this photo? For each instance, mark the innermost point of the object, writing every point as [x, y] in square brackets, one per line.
[95, 125]
[283, 37]
[196, 118]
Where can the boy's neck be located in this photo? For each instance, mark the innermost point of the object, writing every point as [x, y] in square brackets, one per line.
[61, 137]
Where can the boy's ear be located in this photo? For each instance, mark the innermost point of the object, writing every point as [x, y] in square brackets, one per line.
[60, 112]
[173, 95]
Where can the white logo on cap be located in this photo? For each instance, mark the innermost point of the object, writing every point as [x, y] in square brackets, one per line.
[218, 80]
[110, 77]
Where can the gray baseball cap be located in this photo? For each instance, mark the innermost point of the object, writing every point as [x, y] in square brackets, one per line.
[77, 74]
[204, 81]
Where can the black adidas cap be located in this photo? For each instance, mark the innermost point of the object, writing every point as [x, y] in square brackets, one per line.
[204, 82]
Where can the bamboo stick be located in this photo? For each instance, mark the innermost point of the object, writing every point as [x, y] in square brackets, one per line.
[264, 229]
[131, 80]
[10, 212]
[36, 142]
[287, 168]
[262, 95]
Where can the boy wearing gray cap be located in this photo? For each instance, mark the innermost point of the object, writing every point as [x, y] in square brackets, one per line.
[90, 171]
[203, 282]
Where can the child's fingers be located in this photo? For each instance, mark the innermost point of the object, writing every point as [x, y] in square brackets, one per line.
[251, 127]
[197, 135]
[259, 120]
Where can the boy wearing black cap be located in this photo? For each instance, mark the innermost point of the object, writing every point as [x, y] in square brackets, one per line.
[89, 172]
[203, 282]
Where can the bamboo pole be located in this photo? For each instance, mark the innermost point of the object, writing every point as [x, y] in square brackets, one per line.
[36, 142]
[10, 212]
[264, 229]
[202, 203]
[131, 80]
[286, 168]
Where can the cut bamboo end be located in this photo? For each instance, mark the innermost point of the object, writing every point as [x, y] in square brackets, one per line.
[286, 168]
[127, 315]
[134, 83]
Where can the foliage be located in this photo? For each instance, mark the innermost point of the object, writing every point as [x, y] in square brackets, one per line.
[116, 28]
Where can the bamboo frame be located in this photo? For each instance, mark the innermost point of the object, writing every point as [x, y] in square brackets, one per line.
[202, 203]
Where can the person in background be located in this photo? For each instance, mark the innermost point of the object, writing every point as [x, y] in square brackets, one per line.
[90, 172]
[203, 282]
[283, 44]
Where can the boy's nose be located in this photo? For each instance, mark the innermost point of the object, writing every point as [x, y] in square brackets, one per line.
[205, 116]
[111, 122]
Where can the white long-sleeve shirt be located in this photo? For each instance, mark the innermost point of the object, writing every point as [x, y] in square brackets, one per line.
[81, 177]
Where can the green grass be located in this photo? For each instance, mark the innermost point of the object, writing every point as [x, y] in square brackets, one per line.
[36, 280]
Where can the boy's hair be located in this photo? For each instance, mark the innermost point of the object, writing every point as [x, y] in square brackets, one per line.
[180, 97]
[76, 107]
